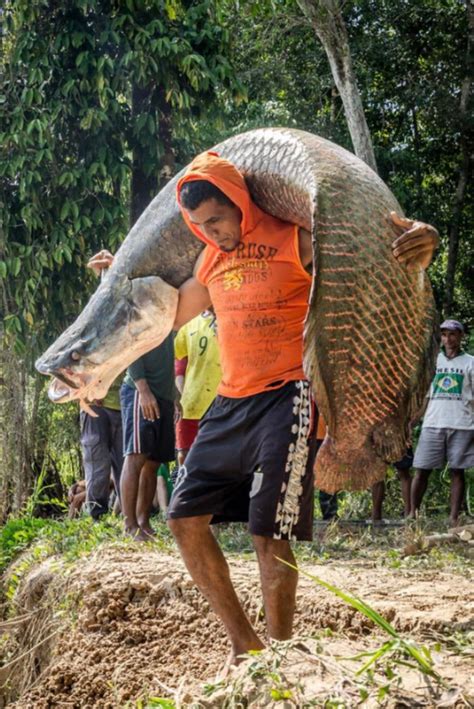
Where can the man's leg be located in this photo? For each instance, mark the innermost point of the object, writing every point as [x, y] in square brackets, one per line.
[95, 444]
[418, 489]
[182, 453]
[146, 493]
[278, 585]
[210, 572]
[116, 447]
[162, 496]
[328, 505]
[129, 483]
[405, 484]
[457, 495]
[378, 495]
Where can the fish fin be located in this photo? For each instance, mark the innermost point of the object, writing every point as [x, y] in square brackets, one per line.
[392, 436]
[336, 470]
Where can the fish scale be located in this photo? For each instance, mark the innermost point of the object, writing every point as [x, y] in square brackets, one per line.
[369, 347]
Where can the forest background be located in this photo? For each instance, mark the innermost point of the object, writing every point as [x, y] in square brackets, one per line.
[102, 101]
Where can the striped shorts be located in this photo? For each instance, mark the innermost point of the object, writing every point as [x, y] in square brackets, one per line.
[154, 439]
[253, 461]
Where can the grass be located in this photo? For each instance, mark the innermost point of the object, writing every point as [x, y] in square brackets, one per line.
[419, 655]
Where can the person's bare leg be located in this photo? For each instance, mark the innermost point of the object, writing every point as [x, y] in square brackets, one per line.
[146, 493]
[418, 489]
[457, 495]
[129, 482]
[182, 453]
[278, 585]
[162, 494]
[378, 495]
[209, 570]
[405, 485]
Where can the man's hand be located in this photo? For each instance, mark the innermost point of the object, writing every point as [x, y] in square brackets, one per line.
[416, 242]
[148, 403]
[103, 260]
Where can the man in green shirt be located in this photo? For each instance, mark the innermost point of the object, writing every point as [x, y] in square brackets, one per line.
[147, 398]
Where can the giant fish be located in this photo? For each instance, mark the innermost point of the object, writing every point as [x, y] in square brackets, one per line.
[369, 344]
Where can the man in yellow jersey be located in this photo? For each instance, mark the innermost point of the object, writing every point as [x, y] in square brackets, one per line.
[197, 376]
[253, 457]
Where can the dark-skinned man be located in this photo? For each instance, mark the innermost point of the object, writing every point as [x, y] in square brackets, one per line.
[447, 435]
[254, 453]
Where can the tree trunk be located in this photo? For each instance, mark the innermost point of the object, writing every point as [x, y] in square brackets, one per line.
[16, 476]
[151, 100]
[168, 161]
[326, 18]
[464, 170]
[143, 186]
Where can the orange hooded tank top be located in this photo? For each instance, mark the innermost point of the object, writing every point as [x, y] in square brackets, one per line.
[260, 291]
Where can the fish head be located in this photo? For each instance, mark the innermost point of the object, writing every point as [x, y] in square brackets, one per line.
[125, 318]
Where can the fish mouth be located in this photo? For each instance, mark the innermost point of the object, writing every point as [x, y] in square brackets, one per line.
[65, 386]
[67, 377]
[59, 391]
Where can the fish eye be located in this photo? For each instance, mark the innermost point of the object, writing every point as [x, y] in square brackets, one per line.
[75, 356]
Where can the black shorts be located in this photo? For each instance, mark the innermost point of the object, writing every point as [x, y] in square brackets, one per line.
[253, 461]
[155, 439]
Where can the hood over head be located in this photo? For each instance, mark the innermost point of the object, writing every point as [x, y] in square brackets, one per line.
[226, 177]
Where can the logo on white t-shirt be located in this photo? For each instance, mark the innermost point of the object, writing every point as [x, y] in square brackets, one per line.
[447, 385]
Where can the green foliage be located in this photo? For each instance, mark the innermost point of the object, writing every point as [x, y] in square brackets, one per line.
[48, 537]
[35, 540]
[70, 133]
[410, 62]
[95, 97]
[16, 535]
[156, 702]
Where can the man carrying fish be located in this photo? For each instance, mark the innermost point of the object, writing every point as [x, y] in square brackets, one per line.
[254, 453]
[369, 344]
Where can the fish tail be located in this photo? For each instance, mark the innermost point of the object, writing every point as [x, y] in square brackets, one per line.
[338, 469]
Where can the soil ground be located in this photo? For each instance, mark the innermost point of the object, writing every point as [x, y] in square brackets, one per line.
[130, 626]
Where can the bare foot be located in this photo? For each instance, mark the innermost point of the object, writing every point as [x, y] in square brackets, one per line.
[132, 531]
[229, 666]
[137, 534]
[234, 659]
[148, 531]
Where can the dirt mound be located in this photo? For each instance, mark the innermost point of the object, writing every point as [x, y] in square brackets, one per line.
[141, 629]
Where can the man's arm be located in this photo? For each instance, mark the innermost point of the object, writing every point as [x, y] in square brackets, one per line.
[193, 298]
[305, 244]
[148, 403]
[179, 375]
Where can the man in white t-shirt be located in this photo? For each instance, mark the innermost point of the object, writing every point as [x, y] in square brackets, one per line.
[447, 435]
